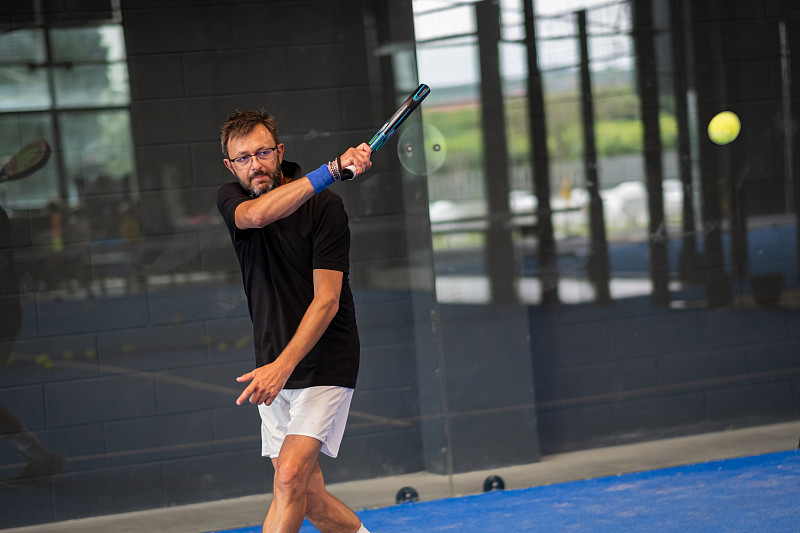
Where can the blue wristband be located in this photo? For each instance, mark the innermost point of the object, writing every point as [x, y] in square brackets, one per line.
[320, 178]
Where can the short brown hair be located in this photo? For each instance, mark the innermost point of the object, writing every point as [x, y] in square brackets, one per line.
[241, 123]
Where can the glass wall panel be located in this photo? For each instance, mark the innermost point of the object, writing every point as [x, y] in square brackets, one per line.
[89, 68]
[23, 74]
[124, 283]
[16, 130]
[97, 152]
[90, 85]
[93, 43]
[480, 205]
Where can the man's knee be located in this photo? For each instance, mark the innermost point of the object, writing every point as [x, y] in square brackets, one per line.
[291, 477]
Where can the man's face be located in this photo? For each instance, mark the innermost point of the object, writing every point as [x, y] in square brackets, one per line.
[256, 175]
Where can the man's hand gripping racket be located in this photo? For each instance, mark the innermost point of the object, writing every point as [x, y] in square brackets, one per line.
[388, 129]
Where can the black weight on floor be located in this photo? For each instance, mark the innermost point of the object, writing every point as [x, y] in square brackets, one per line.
[493, 483]
[407, 495]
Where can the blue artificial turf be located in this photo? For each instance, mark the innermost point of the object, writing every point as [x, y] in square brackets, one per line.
[753, 494]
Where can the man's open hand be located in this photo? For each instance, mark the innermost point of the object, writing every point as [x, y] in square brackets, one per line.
[265, 384]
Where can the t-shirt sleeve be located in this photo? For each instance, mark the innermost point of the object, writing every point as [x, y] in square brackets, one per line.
[229, 196]
[331, 234]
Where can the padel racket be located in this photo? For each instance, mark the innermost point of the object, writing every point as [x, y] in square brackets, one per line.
[27, 161]
[388, 129]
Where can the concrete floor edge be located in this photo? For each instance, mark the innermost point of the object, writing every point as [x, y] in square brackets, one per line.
[374, 493]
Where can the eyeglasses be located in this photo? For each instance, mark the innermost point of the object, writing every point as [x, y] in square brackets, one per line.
[263, 155]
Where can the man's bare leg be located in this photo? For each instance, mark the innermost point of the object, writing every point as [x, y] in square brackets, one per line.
[324, 510]
[293, 468]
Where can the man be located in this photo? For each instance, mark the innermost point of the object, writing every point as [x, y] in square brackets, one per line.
[41, 462]
[292, 240]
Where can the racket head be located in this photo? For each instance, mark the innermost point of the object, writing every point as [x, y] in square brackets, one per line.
[27, 161]
[389, 127]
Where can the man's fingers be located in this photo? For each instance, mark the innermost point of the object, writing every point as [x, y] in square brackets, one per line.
[263, 397]
[246, 377]
[257, 391]
[357, 159]
[243, 396]
[255, 398]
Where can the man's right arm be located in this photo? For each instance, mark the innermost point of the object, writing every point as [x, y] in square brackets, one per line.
[286, 199]
[274, 205]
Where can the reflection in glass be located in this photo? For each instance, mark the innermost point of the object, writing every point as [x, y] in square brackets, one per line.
[16, 130]
[89, 66]
[23, 80]
[96, 146]
[91, 44]
[91, 85]
[482, 328]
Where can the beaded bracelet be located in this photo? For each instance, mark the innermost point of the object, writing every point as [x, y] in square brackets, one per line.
[333, 167]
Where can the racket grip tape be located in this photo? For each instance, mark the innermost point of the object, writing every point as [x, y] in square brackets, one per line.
[348, 173]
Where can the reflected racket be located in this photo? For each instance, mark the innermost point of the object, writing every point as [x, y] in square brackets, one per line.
[27, 161]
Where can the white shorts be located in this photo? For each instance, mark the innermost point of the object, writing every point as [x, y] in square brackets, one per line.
[318, 412]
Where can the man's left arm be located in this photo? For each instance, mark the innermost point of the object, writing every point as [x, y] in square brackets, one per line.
[268, 380]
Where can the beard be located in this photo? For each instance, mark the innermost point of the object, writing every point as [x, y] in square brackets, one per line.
[273, 181]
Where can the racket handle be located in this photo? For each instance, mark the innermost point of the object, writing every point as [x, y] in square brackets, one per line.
[349, 173]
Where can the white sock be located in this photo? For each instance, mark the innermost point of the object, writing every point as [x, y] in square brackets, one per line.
[362, 529]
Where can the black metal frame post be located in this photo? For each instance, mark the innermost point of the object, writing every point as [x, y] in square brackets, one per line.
[647, 82]
[500, 262]
[540, 162]
[687, 262]
[597, 265]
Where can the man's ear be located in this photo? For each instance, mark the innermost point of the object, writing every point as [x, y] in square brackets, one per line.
[228, 166]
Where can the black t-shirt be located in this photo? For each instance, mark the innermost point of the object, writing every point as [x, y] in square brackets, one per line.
[277, 263]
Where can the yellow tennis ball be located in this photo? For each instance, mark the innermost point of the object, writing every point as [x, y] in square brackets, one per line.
[724, 127]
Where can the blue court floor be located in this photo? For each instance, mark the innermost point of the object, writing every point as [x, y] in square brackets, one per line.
[751, 494]
[741, 480]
